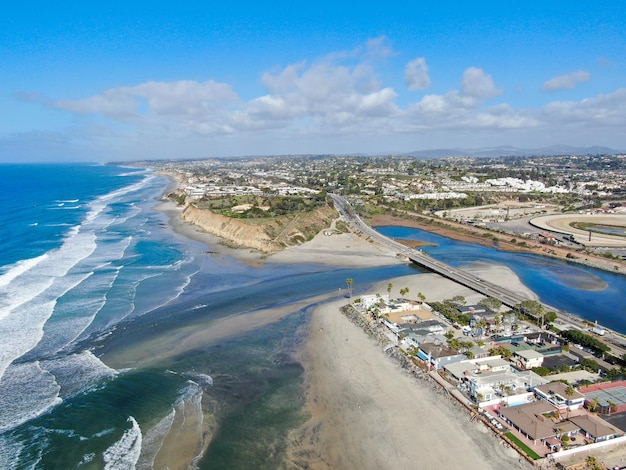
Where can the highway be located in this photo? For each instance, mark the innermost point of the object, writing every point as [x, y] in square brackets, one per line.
[506, 296]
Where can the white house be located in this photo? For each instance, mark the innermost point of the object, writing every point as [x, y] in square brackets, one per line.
[560, 395]
[528, 358]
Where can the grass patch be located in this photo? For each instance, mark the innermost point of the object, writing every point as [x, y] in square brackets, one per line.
[527, 450]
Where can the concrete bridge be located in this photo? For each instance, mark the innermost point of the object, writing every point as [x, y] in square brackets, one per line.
[507, 297]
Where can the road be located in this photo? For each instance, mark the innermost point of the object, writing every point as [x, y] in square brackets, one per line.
[507, 297]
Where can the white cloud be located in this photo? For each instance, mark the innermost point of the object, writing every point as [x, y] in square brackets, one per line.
[416, 74]
[604, 110]
[378, 48]
[476, 83]
[334, 98]
[114, 103]
[329, 93]
[183, 98]
[568, 81]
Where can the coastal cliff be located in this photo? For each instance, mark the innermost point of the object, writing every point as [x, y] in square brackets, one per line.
[267, 238]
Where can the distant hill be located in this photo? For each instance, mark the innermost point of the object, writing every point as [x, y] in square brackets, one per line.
[506, 151]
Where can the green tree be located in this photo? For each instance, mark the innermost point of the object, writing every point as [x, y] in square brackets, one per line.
[491, 303]
[389, 287]
[421, 297]
[592, 463]
[531, 308]
[349, 283]
[501, 351]
[550, 317]
[457, 300]
[404, 291]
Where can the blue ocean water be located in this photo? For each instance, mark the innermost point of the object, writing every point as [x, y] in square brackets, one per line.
[78, 246]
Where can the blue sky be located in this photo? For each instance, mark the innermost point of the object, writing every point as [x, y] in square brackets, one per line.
[85, 81]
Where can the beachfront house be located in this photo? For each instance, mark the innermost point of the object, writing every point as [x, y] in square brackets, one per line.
[538, 421]
[560, 395]
[438, 355]
[595, 428]
[460, 370]
[503, 386]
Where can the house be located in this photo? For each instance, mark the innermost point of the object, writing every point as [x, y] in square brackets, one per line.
[528, 359]
[371, 300]
[595, 428]
[502, 386]
[560, 395]
[538, 421]
[437, 355]
[472, 310]
[459, 370]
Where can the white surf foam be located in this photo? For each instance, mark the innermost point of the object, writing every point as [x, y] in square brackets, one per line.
[77, 372]
[29, 292]
[124, 454]
[27, 391]
[19, 268]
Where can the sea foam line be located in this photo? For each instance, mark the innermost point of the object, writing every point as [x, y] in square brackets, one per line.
[35, 279]
[124, 454]
[20, 268]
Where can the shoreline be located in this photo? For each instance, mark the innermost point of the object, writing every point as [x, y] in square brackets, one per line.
[368, 412]
[338, 249]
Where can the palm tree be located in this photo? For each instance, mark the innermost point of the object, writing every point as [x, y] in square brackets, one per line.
[349, 283]
[421, 297]
[569, 392]
[592, 463]
[612, 406]
[389, 287]
[404, 291]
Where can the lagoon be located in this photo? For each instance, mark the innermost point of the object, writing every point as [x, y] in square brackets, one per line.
[588, 293]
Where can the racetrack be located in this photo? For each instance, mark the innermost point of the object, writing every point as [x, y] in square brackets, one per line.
[563, 224]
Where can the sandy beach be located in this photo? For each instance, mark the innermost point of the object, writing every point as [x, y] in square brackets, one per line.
[338, 249]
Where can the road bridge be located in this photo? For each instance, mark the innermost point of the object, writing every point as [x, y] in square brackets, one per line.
[507, 297]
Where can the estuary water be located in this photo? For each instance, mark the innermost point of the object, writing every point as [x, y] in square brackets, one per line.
[588, 293]
[88, 268]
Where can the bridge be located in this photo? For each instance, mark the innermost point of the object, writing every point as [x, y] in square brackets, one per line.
[507, 297]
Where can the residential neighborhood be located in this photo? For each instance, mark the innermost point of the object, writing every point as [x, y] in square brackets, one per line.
[528, 386]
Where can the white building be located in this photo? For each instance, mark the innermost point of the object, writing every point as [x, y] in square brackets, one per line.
[560, 395]
[529, 358]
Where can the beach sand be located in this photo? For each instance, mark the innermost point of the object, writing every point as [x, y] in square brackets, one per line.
[338, 249]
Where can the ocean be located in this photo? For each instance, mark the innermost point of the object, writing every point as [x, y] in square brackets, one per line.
[90, 271]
